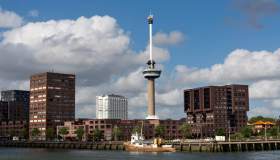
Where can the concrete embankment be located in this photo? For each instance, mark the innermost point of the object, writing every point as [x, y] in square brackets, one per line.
[184, 147]
[229, 146]
[66, 145]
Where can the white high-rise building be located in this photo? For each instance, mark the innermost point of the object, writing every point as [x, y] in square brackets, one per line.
[111, 107]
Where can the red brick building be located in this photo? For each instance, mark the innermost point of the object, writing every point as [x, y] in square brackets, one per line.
[214, 107]
[126, 127]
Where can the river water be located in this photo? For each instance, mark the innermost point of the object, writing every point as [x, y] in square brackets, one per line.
[58, 154]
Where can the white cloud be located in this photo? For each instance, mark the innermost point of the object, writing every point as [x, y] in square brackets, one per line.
[139, 100]
[265, 89]
[159, 55]
[33, 13]
[239, 66]
[10, 85]
[276, 104]
[86, 46]
[9, 19]
[174, 37]
[134, 82]
[86, 94]
[85, 111]
[96, 38]
[171, 98]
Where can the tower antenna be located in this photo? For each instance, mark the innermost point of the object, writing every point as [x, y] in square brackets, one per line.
[150, 22]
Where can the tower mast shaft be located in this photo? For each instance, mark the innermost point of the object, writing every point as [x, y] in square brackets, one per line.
[151, 40]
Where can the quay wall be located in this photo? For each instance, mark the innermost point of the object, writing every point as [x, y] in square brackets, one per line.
[183, 147]
[66, 145]
[228, 146]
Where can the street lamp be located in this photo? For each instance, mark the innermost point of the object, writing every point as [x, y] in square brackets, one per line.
[278, 123]
[201, 131]
[229, 130]
[265, 131]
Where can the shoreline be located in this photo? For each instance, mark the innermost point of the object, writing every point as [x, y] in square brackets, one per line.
[183, 147]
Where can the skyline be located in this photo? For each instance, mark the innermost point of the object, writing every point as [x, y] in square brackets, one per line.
[47, 39]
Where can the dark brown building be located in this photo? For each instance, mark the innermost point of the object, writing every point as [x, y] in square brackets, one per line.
[14, 111]
[18, 104]
[3, 111]
[52, 101]
[213, 107]
[15, 105]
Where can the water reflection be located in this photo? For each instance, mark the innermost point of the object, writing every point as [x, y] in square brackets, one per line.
[60, 154]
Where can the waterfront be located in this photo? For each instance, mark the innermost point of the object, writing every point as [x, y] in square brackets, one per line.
[58, 154]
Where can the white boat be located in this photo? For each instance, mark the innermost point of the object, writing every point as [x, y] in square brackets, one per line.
[138, 144]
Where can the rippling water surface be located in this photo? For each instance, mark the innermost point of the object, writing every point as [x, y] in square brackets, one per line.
[57, 154]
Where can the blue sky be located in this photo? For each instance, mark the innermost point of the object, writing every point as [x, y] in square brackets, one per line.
[211, 29]
[205, 24]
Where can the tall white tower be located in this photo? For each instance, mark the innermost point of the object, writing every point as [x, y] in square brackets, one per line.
[151, 73]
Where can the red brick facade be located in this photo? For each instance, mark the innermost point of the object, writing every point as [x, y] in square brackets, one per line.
[214, 107]
[126, 127]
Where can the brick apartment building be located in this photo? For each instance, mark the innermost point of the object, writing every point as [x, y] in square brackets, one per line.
[126, 127]
[214, 107]
[52, 101]
[89, 125]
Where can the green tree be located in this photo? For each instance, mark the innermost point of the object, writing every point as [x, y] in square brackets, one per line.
[35, 133]
[50, 133]
[236, 136]
[12, 132]
[63, 131]
[220, 132]
[24, 133]
[185, 129]
[246, 132]
[117, 132]
[261, 133]
[97, 135]
[80, 133]
[273, 131]
[159, 131]
[136, 129]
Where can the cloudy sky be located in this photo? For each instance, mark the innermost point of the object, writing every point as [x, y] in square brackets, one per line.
[104, 43]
